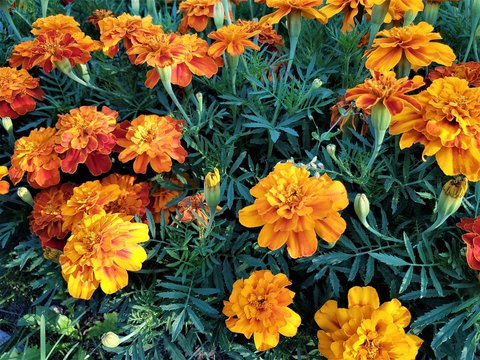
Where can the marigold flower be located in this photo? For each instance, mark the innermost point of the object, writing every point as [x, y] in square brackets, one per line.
[154, 140]
[469, 71]
[100, 250]
[18, 91]
[35, 154]
[366, 329]
[233, 38]
[59, 22]
[294, 208]
[258, 306]
[350, 116]
[386, 89]
[472, 239]
[267, 34]
[99, 14]
[133, 198]
[398, 8]
[46, 220]
[350, 9]
[4, 185]
[161, 196]
[85, 136]
[88, 199]
[305, 8]
[193, 207]
[414, 42]
[196, 14]
[448, 125]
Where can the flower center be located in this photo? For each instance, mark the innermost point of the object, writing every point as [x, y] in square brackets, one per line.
[294, 195]
[371, 350]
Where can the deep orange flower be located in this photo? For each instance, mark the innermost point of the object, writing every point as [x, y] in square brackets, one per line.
[267, 34]
[469, 71]
[448, 124]
[472, 239]
[99, 14]
[35, 154]
[305, 8]
[161, 196]
[294, 207]
[385, 88]
[4, 185]
[100, 251]
[398, 8]
[366, 329]
[258, 306]
[85, 135]
[59, 22]
[90, 198]
[414, 42]
[18, 91]
[154, 140]
[233, 38]
[46, 220]
[349, 8]
[193, 207]
[133, 198]
[351, 117]
[196, 14]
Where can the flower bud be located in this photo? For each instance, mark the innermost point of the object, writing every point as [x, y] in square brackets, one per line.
[331, 149]
[51, 254]
[24, 194]
[7, 125]
[409, 17]
[381, 118]
[218, 14]
[430, 12]
[64, 66]
[165, 74]
[199, 97]
[362, 207]
[83, 71]
[317, 83]
[136, 7]
[110, 340]
[379, 11]
[451, 196]
[212, 189]
[475, 12]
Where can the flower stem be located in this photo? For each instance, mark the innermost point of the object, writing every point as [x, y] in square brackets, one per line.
[379, 136]
[472, 38]
[44, 5]
[294, 29]
[11, 23]
[233, 65]
[210, 223]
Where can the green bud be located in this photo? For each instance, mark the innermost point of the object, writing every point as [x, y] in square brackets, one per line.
[111, 340]
[212, 189]
[24, 194]
[317, 83]
[362, 207]
[218, 14]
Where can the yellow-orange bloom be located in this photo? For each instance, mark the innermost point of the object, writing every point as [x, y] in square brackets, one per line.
[59, 22]
[154, 140]
[4, 185]
[18, 91]
[294, 207]
[100, 251]
[85, 135]
[448, 124]
[196, 14]
[398, 8]
[35, 154]
[349, 8]
[366, 329]
[469, 71]
[306, 8]
[414, 42]
[233, 38]
[99, 14]
[88, 199]
[133, 198]
[47, 220]
[267, 34]
[385, 88]
[258, 306]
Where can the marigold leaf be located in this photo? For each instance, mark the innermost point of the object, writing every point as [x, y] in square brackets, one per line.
[447, 330]
[390, 260]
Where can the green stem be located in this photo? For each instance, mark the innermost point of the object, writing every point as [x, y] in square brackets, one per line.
[44, 5]
[472, 38]
[11, 23]
[210, 223]
[226, 7]
[376, 149]
[233, 64]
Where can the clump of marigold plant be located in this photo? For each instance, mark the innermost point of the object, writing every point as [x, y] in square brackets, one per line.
[472, 240]
[366, 329]
[100, 251]
[154, 140]
[35, 155]
[469, 71]
[258, 306]
[293, 208]
[447, 124]
[85, 135]
[18, 92]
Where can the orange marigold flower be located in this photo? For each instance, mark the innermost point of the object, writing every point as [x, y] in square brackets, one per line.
[469, 71]
[385, 88]
[398, 8]
[294, 207]
[4, 185]
[161, 196]
[35, 154]
[18, 91]
[85, 135]
[267, 34]
[305, 8]
[154, 140]
[448, 124]
[350, 9]
[133, 198]
[193, 207]
[258, 306]
[349, 116]
[196, 14]
[90, 198]
[99, 14]
[414, 42]
[366, 329]
[472, 239]
[100, 251]
[62, 23]
[46, 220]
[233, 38]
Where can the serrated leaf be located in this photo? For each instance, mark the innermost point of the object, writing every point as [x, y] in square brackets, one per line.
[370, 270]
[390, 260]
[406, 280]
[435, 282]
[178, 325]
[195, 320]
[432, 316]
[447, 331]
[354, 270]
[470, 345]
[408, 246]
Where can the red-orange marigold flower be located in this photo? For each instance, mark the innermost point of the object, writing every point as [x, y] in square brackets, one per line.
[35, 154]
[294, 207]
[154, 140]
[4, 185]
[469, 71]
[133, 198]
[233, 38]
[385, 88]
[306, 8]
[351, 116]
[267, 34]
[100, 251]
[46, 220]
[196, 14]
[18, 91]
[85, 135]
[414, 42]
[193, 207]
[472, 239]
[99, 14]
[161, 196]
[350, 9]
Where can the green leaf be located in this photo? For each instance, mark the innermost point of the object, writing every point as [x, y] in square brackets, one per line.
[447, 330]
[370, 270]
[195, 320]
[178, 325]
[470, 346]
[435, 282]
[99, 328]
[406, 280]
[432, 316]
[390, 260]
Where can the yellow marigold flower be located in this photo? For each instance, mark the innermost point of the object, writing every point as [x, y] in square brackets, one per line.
[18, 91]
[233, 38]
[90, 198]
[196, 14]
[448, 124]
[366, 329]
[258, 306]
[414, 42]
[294, 208]
[386, 89]
[85, 135]
[133, 198]
[212, 188]
[154, 140]
[100, 250]
[306, 8]
[4, 185]
[469, 71]
[35, 154]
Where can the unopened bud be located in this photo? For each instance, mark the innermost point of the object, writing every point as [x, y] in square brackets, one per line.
[362, 207]
[199, 97]
[379, 11]
[51, 254]
[136, 7]
[7, 125]
[451, 196]
[111, 340]
[409, 17]
[24, 194]
[331, 149]
[83, 71]
[212, 189]
[64, 66]
[317, 83]
[218, 14]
